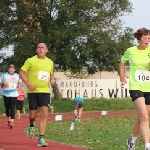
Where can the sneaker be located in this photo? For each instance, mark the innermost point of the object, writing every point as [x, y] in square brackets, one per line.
[8, 124]
[30, 132]
[11, 125]
[75, 118]
[42, 143]
[131, 146]
[79, 119]
[18, 117]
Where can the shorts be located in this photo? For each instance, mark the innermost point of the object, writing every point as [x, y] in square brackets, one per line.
[134, 94]
[77, 105]
[38, 100]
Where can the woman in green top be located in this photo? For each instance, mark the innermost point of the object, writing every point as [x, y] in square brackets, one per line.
[139, 84]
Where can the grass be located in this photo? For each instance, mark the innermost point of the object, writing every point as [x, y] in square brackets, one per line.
[102, 133]
[99, 104]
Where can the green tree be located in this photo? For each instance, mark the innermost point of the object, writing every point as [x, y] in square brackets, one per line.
[104, 52]
[78, 32]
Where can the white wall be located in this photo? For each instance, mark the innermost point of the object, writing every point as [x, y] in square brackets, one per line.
[92, 88]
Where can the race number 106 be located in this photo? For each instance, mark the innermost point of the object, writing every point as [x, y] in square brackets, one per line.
[143, 78]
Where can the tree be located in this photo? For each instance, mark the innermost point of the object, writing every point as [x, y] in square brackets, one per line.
[7, 22]
[71, 29]
[78, 33]
[107, 51]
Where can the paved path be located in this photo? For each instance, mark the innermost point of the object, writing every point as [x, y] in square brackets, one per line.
[15, 139]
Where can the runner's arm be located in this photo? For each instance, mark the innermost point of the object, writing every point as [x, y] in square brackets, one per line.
[122, 72]
[24, 78]
[52, 80]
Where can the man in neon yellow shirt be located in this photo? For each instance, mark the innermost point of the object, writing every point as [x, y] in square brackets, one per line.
[139, 84]
[40, 73]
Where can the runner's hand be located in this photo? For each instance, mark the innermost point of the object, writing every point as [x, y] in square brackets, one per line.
[52, 82]
[32, 87]
[123, 80]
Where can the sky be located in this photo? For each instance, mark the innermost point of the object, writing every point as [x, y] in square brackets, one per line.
[137, 19]
[140, 15]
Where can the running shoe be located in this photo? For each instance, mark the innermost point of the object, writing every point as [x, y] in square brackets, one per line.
[131, 146]
[30, 132]
[18, 117]
[11, 125]
[75, 118]
[8, 124]
[42, 143]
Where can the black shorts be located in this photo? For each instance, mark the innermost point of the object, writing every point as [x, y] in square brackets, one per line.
[77, 105]
[38, 100]
[134, 94]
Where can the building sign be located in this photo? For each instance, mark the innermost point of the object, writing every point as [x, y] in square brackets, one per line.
[92, 88]
[89, 88]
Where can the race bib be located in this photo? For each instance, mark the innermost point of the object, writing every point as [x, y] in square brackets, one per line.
[142, 76]
[12, 85]
[43, 75]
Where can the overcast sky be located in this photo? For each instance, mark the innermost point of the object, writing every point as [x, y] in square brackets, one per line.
[140, 15]
[139, 18]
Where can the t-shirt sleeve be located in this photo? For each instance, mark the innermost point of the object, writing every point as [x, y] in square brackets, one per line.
[52, 69]
[126, 56]
[26, 65]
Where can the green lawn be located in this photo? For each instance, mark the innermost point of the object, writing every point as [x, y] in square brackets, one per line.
[103, 133]
[99, 104]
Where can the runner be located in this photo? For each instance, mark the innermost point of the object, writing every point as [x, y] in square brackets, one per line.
[10, 81]
[139, 84]
[40, 73]
[77, 108]
[20, 101]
